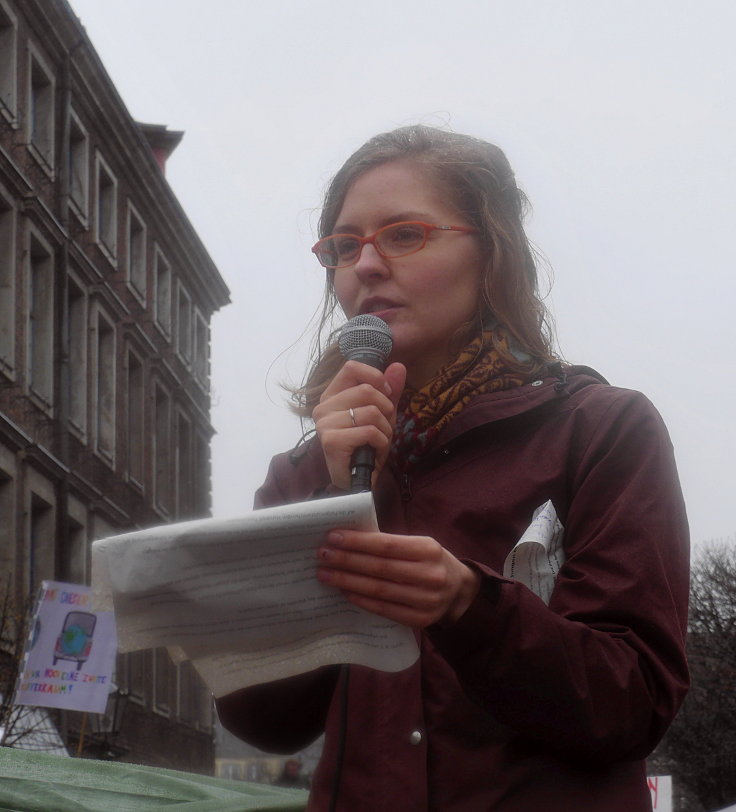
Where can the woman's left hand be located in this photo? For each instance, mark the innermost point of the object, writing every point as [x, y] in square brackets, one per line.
[412, 580]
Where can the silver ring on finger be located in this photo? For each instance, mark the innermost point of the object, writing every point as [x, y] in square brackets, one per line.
[352, 415]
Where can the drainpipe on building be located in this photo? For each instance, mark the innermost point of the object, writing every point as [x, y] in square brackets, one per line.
[62, 342]
[64, 389]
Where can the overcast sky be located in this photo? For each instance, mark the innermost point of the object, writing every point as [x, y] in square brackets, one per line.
[618, 117]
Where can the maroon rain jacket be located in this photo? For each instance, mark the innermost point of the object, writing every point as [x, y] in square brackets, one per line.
[519, 706]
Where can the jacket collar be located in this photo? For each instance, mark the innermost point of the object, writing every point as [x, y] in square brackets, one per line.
[558, 384]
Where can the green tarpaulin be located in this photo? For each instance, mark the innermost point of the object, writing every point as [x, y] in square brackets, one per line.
[39, 782]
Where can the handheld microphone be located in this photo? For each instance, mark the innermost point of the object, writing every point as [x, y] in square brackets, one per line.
[367, 339]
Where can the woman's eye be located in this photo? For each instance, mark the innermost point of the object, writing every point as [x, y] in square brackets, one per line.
[405, 235]
[346, 246]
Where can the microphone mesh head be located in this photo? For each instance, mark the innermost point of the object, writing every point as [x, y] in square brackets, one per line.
[365, 334]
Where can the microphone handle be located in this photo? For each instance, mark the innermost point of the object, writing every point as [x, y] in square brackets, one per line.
[361, 469]
[363, 459]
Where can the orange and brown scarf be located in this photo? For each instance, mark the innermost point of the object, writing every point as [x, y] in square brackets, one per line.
[423, 413]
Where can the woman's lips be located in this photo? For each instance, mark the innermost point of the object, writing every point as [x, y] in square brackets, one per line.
[379, 307]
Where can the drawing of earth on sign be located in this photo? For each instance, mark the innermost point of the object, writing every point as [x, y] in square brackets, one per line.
[75, 640]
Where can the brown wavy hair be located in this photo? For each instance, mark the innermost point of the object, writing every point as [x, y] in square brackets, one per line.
[481, 184]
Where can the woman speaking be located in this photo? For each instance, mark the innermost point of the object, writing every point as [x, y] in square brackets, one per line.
[527, 695]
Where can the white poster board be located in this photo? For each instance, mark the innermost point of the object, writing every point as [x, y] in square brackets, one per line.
[660, 787]
[70, 652]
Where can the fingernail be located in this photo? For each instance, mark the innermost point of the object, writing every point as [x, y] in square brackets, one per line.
[324, 553]
[334, 537]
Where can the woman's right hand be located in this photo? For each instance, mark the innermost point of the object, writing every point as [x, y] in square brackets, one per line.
[373, 396]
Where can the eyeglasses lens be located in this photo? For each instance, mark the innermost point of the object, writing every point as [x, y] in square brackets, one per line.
[391, 241]
[346, 249]
[334, 252]
[400, 239]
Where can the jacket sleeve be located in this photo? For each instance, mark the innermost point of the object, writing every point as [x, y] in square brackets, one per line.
[282, 716]
[600, 672]
[286, 715]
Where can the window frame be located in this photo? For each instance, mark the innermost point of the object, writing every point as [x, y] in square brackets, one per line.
[40, 328]
[40, 526]
[201, 349]
[106, 221]
[8, 64]
[78, 167]
[8, 283]
[136, 274]
[185, 500]
[78, 316]
[41, 111]
[162, 298]
[165, 705]
[161, 445]
[135, 438]
[184, 323]
[103, 384]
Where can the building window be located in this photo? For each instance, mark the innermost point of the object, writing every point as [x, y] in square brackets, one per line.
[103, 407]
[138, 674]
[185, 505]
[205, 709]
[187, 684]
[184, 325]
[78, 167]
[162, 279]
[106, 221]
[74, 555]
[135, 438]
[7, 527]
[201, 351]
[164, 682]
[40, 321]
[136, 253]
[202, 478]
[40, 561]
[41, 112]
[77, 320]
[8, 63]
[162, 450]
[195, 699]
[7, 286]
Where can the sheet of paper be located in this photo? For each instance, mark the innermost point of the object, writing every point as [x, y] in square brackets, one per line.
[240, 597]
[538, 555]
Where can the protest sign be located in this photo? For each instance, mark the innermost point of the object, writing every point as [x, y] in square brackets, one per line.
[70, 652]
[660, 787]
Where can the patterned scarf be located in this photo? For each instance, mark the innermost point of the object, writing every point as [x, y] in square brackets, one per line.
[423, 413]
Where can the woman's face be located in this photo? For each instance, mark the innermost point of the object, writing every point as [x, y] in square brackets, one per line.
[426, 297]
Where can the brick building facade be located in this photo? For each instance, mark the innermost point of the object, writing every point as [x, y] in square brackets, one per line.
[106, 296]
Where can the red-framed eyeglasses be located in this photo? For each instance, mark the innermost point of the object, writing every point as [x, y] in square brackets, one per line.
[391, 241]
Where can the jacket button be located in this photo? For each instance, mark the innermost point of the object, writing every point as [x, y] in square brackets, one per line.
[415, 737]
[537, 383]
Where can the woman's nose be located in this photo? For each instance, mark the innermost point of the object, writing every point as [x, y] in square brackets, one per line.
[370, 264]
